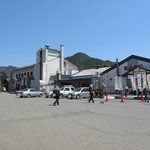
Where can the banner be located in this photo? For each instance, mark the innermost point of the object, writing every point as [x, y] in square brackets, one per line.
[133, 83]
[144, 81]
[118, 83]
[139, 81]
[148, 80]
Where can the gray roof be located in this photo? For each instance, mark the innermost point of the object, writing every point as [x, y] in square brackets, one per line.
[90, 72]
[24, 67]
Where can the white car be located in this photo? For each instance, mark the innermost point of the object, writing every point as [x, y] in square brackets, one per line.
[81, 92]
[29, 92]
[65, 91]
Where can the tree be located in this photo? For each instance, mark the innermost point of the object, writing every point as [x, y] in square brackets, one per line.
[3, 79]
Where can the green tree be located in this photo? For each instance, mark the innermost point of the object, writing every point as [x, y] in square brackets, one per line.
[3, 77]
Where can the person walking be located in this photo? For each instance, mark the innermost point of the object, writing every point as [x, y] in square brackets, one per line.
[146, 94]
[56, 93]
[91, 90]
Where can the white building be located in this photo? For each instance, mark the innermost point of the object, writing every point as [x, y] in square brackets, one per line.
[127, 71]
[49, 62]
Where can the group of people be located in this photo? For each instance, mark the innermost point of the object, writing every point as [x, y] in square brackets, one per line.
[144, 91]
[56, 94]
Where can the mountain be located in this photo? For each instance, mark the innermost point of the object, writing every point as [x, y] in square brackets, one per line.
[83, 61]
[7, 69]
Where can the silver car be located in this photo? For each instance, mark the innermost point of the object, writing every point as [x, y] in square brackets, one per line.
[49, 94]
[29, 92]
[81, 92]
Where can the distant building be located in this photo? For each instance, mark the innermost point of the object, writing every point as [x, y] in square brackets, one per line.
[49, 62]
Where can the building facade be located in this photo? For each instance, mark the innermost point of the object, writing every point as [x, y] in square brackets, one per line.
[120, 74]
[49, 62]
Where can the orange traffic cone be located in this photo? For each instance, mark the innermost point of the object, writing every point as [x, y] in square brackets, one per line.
[106, 98]
[122, 100]
[142, 98]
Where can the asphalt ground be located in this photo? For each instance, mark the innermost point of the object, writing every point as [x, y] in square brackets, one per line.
[35, 124]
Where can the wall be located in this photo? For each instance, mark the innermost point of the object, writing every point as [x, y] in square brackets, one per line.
[51, 66]
[70, 68]
[109, 80]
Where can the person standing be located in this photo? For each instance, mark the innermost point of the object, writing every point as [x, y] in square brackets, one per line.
[126, 91]
[56, 93]
[91, 90]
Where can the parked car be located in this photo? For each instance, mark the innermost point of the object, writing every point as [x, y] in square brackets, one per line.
[49, 94]
[65, 91]
[29, 92]
[81, 92]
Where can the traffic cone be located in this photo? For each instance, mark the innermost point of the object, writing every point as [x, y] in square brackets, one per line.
[106, 98]
[122, 100]
[142, 98]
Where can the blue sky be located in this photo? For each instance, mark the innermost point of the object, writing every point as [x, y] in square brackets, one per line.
[104, 29]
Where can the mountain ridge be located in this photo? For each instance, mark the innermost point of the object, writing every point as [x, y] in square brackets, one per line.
[83, 61]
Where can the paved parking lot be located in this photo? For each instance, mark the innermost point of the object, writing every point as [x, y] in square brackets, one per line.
[34, 124]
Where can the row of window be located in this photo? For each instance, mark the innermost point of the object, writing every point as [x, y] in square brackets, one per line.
[26, 74]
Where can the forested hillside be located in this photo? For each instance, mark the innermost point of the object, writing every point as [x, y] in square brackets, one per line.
[84, 61]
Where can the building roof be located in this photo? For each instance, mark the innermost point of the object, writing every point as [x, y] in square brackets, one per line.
[127, 59]
[49, 49]
[24, 67]
[89, 72]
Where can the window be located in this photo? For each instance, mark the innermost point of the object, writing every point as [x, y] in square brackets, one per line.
[66, 89]
[32, 90]
[31, 73]
[85, 90]
[125, 68]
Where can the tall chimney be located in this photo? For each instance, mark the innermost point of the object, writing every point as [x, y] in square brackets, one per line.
[61, 59]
